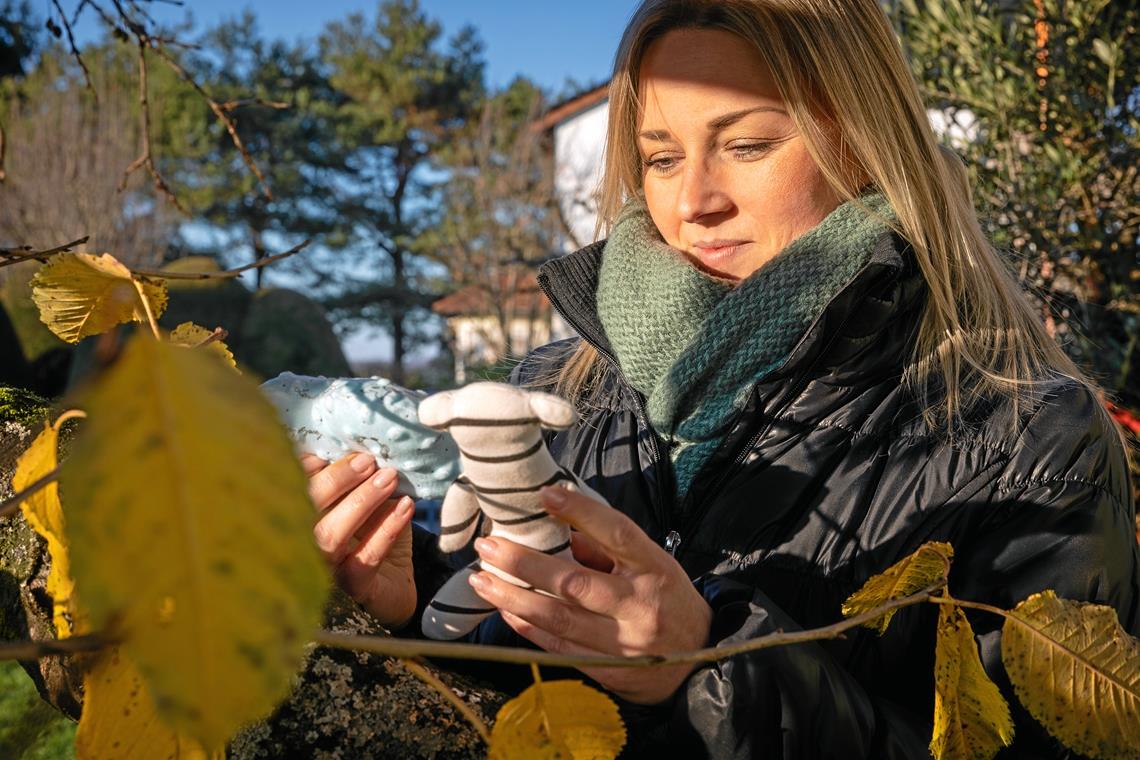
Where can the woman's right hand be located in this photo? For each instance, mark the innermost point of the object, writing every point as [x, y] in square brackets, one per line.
[364, 530]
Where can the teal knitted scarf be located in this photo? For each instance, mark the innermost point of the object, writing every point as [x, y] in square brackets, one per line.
[695, 344]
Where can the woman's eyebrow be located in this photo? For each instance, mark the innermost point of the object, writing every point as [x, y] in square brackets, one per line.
[716, 125]
[729, 119]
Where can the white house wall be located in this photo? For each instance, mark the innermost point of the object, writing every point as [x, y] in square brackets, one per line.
[579, 146]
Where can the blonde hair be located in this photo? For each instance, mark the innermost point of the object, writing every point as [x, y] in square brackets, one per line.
[846, 84]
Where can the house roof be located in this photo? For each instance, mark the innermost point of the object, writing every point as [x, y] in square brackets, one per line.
[479, 301]
[570, 107]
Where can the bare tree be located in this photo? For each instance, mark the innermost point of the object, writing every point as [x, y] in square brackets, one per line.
[68, 148]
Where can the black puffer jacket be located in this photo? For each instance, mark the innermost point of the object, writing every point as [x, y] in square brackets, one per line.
[828, 478]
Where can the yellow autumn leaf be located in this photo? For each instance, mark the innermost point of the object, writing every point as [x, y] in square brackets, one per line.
[191, 534]
[928, 565]
[119, 721]
[558, 719]
[971, 718]
[1077, 672]
[80, 294]
[44, 513]
[191, 335]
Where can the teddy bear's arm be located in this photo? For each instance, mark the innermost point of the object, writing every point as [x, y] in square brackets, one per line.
[458, 517]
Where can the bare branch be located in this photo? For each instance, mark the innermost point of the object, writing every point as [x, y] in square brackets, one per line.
[145, 158]
[74, 50]
[12, 503]
[233, 105]
[219, 112]
[411, 648]
[33, 650]
[221, 275]
[24, 253]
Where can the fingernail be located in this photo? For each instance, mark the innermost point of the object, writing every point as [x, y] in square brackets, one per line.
[485, 546]
[554, 497]
[386, 476]
[404, 506]
[478, 582]
[362, 462]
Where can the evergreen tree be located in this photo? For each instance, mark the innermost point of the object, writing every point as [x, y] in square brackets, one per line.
[1043, 99]
[401, 97]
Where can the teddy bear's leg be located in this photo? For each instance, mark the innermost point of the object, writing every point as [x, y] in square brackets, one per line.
[458, 516]
[456, 609]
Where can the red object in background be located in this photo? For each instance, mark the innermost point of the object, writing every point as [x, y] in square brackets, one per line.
[1125, 417]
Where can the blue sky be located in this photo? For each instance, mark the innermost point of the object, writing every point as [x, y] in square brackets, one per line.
[547, 41]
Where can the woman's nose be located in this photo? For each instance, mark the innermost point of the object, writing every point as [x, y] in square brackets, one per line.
[701, 193]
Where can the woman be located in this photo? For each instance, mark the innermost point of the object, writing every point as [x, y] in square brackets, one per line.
[799, 360]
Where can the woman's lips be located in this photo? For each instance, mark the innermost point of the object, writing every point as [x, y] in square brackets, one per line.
[714, 251]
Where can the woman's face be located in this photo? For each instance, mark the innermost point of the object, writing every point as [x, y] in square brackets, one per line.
[727, 177]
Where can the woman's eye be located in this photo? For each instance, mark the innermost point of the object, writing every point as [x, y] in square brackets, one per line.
[661, 164]
[750, 150]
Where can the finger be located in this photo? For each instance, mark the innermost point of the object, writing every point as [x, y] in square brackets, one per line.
[566, 621]
[617, 535]
[312, 464]
[612, 678]
[335, 529]
[376, 543]
[594, 591]
[590, 553]
[332, 482]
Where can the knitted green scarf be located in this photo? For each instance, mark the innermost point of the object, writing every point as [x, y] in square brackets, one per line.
[695, 344]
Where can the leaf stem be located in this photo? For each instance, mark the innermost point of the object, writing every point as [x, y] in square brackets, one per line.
[947, 599]
[146, 306]
[419, 671]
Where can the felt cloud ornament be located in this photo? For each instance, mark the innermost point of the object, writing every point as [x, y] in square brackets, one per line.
[504, 462]
[330, 417]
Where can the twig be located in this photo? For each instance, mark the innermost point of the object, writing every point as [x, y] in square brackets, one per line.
[221, 275]
[410, 648]
[33, 650]
[10, 256]
[220, 113]
[233, 105]
[219, 333]
[3, 174]
[12, 503]
[145, 158]
[419, 671]
[75, 50]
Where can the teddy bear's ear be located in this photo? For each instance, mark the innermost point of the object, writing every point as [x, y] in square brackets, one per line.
[435, 411]
[552, 411]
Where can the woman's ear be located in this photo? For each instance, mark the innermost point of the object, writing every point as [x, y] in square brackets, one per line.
[435, 410]
[552, 411]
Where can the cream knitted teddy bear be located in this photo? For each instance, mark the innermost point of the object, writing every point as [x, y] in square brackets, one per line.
[504, 463]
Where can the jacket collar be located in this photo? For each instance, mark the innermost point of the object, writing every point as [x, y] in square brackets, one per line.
[888, 285]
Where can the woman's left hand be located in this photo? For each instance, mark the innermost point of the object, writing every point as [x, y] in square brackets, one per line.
[627, 597]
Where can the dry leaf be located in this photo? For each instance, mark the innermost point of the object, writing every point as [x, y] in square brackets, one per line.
[928, 564]
[80, 294]
[44, 513]
[191, 335]
[1077, 672]
[558, 719]
[192, 533]
[119, 721]
[971, 718]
